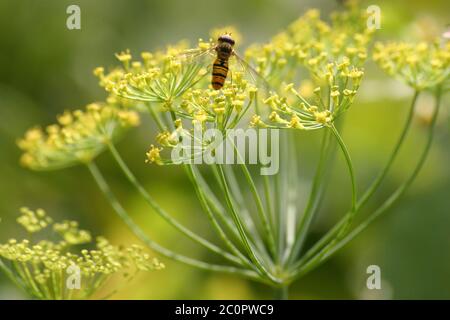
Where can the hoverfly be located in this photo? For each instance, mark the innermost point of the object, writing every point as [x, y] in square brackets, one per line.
[223, 50]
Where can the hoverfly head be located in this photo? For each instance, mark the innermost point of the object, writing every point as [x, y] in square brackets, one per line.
[226, 38]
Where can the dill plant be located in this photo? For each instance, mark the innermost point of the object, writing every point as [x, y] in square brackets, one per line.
[315, 69]
[42, 268]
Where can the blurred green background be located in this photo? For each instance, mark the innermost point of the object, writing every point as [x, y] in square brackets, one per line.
[46, 68]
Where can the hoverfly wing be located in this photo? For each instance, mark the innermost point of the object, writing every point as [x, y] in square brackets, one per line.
[197, 56]
[197, 62]
[255, 76]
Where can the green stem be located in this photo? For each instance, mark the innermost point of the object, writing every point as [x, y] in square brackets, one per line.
[282, 197]
[260, 208]
[376, 183]
[351, 215]
[370, 191]
[240, 204]
[241, 230]
[155, 117]
[238, 197]
[206, 208]
[23, 271]
[215, 205]
[270, 211]
[277, 208]
[308, 212]
[11, 276]
[400, 190]
[104, 187]
[334, 246]
[348, 218]
[267, 196]
[349, 164]
[282, 293]
[132, 179]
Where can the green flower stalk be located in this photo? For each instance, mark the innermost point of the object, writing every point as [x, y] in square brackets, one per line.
[62, 269]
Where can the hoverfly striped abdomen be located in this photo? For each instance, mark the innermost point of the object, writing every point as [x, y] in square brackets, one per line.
[224, 50]
[219, 73]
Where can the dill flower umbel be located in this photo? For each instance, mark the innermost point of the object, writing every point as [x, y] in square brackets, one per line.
[34, 221]
[59, 270]
[421, 66]
[330, 100]
[205, 109]
[158, 77]
[78, 137]
[311, 43]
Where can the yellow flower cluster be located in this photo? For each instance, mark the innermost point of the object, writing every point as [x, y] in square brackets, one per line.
[153, 155]
[205, 109]
[158, 77]
[43, 268]
[222, 107]
[312, 43]
[33, 221]
[78, 137]
[70, 232]
[421, 65]
[329, 101]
